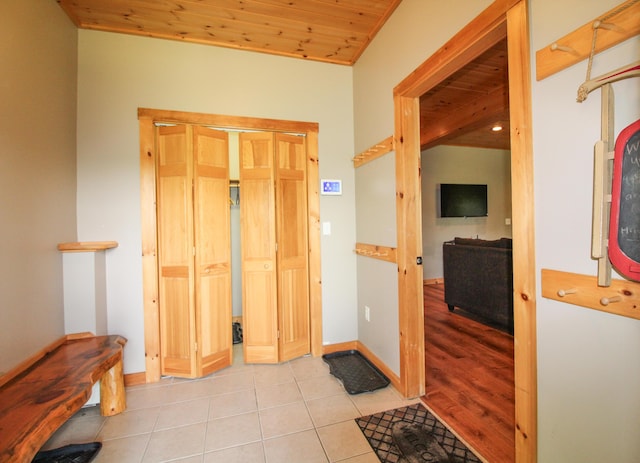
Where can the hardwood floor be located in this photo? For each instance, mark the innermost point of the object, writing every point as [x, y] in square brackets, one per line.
[469, 376]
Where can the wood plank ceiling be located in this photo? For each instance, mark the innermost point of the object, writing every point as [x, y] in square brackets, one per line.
[464, 108]
[331, 31]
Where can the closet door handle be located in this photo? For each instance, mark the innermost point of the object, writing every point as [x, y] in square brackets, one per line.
[267, 266]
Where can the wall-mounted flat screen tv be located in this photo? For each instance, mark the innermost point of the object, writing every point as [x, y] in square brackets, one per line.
[466, 200]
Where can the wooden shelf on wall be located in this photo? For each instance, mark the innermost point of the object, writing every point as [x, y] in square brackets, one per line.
[615, 26]
[87, 246]
[376, 252]
[377, 150]
[622, 297]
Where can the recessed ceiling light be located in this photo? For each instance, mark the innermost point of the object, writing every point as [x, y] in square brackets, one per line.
[496, 128]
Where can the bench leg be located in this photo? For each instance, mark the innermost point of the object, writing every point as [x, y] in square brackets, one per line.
[112, 393]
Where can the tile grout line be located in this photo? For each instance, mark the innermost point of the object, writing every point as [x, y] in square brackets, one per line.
[315, 427]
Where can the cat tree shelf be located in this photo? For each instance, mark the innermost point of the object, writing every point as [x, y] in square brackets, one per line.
[87, 246]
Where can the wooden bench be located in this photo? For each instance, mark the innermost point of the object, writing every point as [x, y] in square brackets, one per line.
[43, 392]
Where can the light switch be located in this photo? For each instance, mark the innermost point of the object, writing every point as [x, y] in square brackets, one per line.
[326, 228]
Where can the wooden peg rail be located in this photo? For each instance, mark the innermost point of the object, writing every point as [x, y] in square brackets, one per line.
[622, 297]
[377, 150]
[621, 23]
[376, 252]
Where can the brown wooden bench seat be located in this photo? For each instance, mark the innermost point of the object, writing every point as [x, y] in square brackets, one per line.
[43, 392]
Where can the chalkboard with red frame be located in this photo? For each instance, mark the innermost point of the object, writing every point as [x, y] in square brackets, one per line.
[624, 228]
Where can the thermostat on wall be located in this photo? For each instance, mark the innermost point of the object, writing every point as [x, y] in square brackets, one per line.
[331, 187]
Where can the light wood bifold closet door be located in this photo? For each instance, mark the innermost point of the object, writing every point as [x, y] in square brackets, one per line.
[194, 258]
[293, 248]
[274, 237]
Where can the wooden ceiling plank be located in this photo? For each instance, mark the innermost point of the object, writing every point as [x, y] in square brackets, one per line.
[352, 8]
[478, 113]
[251, 12]
[208, 31]
[295, 13]
[235, 31]
[270, 44]
[356, 10]
[132, 11]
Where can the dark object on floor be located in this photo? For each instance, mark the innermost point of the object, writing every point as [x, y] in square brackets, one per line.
[74, 453]
[355, 371]
[378, 430]
[416, 444]
[236, 330]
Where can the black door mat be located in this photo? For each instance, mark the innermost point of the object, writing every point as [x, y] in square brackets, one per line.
[355, 371]
[413, 435]
[74, 453]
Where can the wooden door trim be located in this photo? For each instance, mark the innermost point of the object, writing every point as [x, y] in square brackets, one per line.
[502, 17]
[146, 120]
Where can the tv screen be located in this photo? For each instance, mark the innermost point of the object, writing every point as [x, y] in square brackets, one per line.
[458, 200]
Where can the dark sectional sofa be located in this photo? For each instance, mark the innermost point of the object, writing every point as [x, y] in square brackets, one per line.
[478, 278]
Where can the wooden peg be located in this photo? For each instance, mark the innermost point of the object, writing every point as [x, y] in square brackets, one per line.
[609, 300]
[600, 25]
[556, 47]
[564, 292]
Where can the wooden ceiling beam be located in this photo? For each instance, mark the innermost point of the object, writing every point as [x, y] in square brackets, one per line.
[480, 112]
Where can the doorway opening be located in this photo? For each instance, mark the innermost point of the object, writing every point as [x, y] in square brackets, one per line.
[147, 120]
[499, 20]
[469, 353]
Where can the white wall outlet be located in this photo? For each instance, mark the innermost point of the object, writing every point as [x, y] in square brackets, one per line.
[507, 221]
[367, 313]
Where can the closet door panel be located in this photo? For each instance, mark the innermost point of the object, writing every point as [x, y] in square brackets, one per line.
[215, 344]
[258, 238]
[176, 322]
[212, 249]
[292, 256]
[175, 252]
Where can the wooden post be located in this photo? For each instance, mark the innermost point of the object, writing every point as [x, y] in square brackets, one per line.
[112, 393]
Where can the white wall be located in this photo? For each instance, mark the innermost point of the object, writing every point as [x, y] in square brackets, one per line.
[37, 172]
[415, 31]
[588, 373]
[377, 280]
[457, 164]
[118, 74]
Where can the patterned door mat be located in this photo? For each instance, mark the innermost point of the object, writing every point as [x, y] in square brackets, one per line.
[355, 371]
[413, 435]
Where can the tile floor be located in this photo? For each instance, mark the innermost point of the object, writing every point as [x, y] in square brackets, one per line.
[287, 413]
